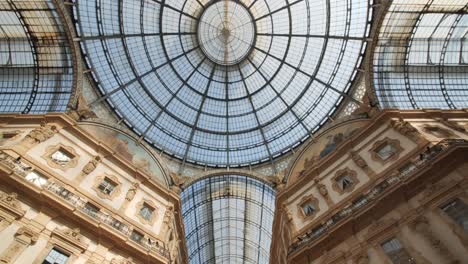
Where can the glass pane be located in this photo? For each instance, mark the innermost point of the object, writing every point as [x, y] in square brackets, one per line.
[56, 257]
[224, 83]
[396, 252]
[228, 219]
[458, 211]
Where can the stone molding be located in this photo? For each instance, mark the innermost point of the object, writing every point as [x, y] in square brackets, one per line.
[344, 172]
[70, 239]
[39, 135]
[23, 238]
[115, 192]
[52, 149]
[308, 199]
[10, 205]
[395, 143]
[422, 226]
[151, 205]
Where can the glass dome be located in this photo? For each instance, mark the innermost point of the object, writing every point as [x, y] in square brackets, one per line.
[223, 83]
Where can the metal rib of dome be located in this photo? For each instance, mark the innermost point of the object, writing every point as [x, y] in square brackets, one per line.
[228, 219]
[223, 83]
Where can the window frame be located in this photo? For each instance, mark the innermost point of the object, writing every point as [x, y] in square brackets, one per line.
[380, 144]
[346, 172]
[111, 179]
[60, 251]
[309, 200]
[67, 151]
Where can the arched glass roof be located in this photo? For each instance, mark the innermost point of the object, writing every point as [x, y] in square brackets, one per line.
[421, 57]
[36, 66]
[223, 83]
[228, 219]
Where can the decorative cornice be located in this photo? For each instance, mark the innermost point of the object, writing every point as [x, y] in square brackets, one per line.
[10, 204]
[70, 236]
[390, 187]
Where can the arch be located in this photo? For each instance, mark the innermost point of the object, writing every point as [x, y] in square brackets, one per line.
[228, 216]
[420, 58]
[128, 147]
[37, 67]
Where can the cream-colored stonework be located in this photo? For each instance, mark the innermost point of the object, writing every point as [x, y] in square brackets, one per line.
[69, 151]
[309, 200]
[34, 219]
[391, 200]
[395, 146]
[150, 205]
[114, 180]
[342, 173]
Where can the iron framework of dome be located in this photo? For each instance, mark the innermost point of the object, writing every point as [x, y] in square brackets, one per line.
[228, 219]
[421, 57]
[223, 83]
[36, 67]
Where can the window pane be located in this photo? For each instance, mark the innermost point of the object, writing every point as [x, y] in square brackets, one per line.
[56, 257]
[458, 211]
[396, 252]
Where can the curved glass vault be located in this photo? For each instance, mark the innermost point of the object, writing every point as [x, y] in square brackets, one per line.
[228, 219]
[223, 83]
[36, 69]
[421, 59]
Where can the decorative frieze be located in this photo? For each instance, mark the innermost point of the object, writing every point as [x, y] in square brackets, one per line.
[39, 135]
[406, 129]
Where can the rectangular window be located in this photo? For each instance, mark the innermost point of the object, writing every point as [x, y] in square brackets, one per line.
[107, 186]
[385, 151]
[396, 252]
[56, 257]
[146, 212]
[36, 178]
[458, 211]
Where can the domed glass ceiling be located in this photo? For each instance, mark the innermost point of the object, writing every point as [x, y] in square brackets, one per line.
[223, 83]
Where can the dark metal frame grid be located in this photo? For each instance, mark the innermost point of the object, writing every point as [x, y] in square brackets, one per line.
[36, 68]
[148, 66]
[232, 13]
[228, 219]
[420, 60]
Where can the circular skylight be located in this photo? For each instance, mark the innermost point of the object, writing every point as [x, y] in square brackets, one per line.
[223, 83]
[226, 32]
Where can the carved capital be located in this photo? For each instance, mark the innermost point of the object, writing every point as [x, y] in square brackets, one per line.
[26, 236]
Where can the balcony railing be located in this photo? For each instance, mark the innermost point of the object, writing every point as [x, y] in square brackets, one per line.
[75, 200]
[374, 193]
